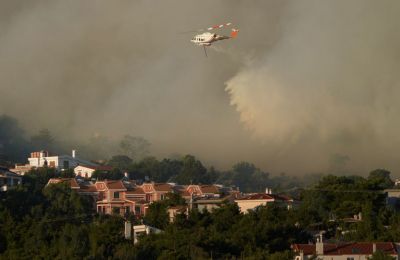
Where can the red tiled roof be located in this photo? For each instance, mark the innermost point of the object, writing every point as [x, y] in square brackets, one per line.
[184, 193]
[114, 185]
[209, 189]
[365, 248]
[72, 182]
[258, 196]
[136, 190]
[264, 196]
[88, 188]
[162, 187]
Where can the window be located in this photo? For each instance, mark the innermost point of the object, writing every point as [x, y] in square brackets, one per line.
[116, 195]
[350, 258]
[137, 210]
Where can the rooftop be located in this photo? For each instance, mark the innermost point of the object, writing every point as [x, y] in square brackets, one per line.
[364, 248]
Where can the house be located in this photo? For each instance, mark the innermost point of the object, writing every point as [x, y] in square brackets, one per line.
[141, 230]
[21, 169]
[211, 203]
[156, 191]
[343, 251]
[112, 198]
[252, 201]
[393, 197]
[138, 196]
[173, 211]
[60, 162]
[86, 171]
[8, 179]
[73, 183]
[109, 196]
[203, 190]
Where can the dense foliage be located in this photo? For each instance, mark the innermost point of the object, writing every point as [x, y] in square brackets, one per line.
[54, 222]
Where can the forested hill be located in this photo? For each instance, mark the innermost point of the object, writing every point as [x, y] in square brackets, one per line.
[54, 222]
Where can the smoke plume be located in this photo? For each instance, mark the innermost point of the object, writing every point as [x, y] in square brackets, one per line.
[306, 81]
[328, 87]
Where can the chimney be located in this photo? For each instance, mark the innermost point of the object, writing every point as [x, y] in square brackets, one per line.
[373, 247]
[128, 230]
[73, 153]
[126, 175]
[268, 191]
[301, 255]
[319, 246]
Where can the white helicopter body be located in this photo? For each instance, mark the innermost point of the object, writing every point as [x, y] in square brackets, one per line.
[207, 38]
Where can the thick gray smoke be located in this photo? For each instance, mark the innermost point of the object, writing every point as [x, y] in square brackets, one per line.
[329, 87]
[312, 80]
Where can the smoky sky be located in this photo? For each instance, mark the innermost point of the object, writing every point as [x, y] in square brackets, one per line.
[304, 83]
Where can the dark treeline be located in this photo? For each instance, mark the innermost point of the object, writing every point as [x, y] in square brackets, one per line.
[131, 154]
[189, 170]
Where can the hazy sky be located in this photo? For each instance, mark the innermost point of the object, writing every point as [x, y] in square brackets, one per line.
[306, 83]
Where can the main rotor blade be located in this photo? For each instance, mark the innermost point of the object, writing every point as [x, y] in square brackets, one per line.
[208, 29]
[218, 26]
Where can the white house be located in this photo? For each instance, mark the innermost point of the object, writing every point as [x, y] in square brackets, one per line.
[8, 179]
[86, 171]
[60, 162]
[252, 201]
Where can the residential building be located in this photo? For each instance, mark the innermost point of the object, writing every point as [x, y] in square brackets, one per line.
[60, 162]
[176, 210]
[211, 203]
[343, 251]
[112, 198]
[203, 190]
[393, 197]
[86, 171]
[140, 230]
[156, 191]
[8, 179]
[21, 169]
[252, 201]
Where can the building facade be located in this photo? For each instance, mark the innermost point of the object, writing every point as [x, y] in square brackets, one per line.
[343, 251]
[252, 201]
[86, 171]
[59, 162]
[8, 179]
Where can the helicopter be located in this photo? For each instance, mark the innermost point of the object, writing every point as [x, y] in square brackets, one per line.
[207, 38]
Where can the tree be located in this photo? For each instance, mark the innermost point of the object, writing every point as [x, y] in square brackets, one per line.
[115, 174]
[380, 179]
[249, 178]
[192, 171]
[134, 147]
[157, 215]
[65, 202]
[121, 162]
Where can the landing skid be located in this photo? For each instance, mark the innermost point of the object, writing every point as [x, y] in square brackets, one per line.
[205, 51]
